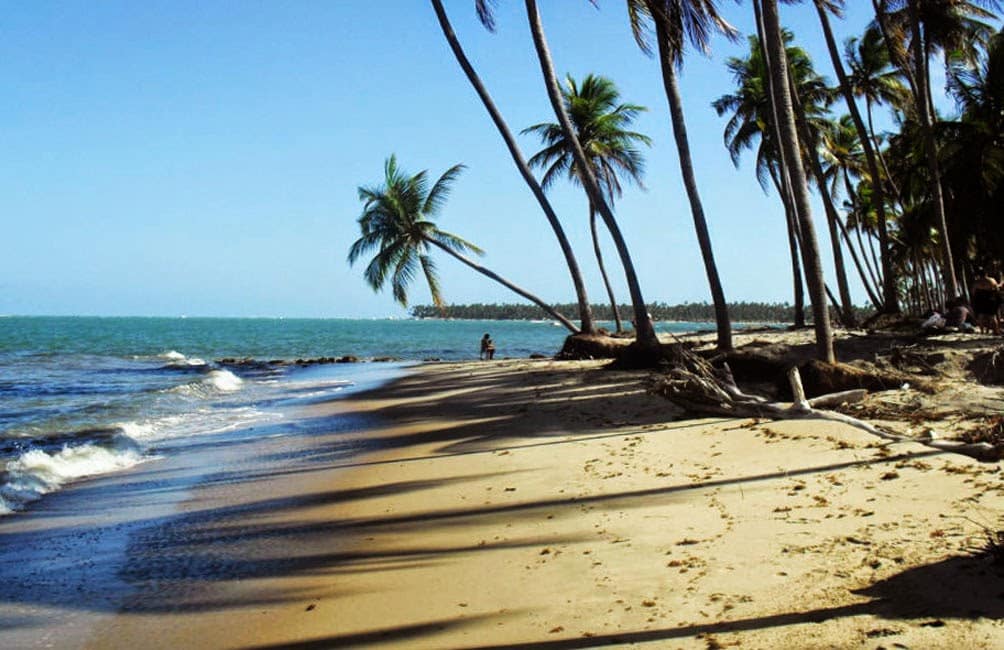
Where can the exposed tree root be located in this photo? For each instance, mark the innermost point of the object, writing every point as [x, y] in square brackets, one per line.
[692, 383]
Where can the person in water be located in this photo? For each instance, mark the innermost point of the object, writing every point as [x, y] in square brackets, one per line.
[487, 347]
[986, 302]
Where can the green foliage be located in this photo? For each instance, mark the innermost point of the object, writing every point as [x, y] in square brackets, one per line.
[601, 124]
[757, 312]
[397, 222]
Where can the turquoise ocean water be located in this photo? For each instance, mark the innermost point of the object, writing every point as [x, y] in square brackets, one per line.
[84, 396]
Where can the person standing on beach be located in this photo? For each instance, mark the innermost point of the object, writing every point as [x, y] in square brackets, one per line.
[986, 302]
[487, 347]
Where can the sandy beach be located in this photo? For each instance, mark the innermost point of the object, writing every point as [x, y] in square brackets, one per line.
[553, 504]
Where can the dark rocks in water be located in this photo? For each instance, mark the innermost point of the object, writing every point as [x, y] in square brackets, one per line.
[385, 359]
[538, 355]
[248, 362]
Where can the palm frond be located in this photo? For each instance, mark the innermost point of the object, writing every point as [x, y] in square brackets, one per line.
[441, 190]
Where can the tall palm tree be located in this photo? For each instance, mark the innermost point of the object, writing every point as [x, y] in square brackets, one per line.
[915, 30]
[871, 75]
[647, 343]
[777, 64]
[751, 126]
[809, 132]
[842, 153]
[677, 21]
[397, 221]
[823, 8]
[484, 13]
[601, 124]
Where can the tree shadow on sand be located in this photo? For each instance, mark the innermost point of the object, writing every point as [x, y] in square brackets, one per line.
[960, 587]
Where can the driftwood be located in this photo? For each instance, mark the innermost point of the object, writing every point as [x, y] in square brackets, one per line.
[695, 385]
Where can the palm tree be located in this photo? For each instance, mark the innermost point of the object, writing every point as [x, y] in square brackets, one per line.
[914, 31]
[646, 340]
[585, 312]
[397, 220]
[843, 153]
[823, 7]
[677, 21]
[871, 75]
[600, 123]
[976, 142]
[751, 126]
[780, 93]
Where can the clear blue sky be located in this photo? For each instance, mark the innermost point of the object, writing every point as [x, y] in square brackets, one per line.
[202, 158]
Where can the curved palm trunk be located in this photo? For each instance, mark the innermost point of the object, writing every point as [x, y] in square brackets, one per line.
[585, 311]
[645, 333]
[897, 195]
[778, 66]
[889, 279]
[508, 285]
[873, 293]
[796, 266]
[603, 270]
[845, 307]
[669, 80]
[782, 180]
[930, 149]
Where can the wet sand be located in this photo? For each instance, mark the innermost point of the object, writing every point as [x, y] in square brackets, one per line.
[554, 505]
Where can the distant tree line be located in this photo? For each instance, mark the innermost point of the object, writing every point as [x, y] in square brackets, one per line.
[760, 312]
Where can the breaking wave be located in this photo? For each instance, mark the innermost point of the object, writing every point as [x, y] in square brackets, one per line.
[37, 472]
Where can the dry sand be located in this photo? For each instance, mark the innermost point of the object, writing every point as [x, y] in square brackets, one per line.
[551, 504]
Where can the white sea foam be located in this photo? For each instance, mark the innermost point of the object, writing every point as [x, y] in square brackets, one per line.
[138, 430]
[176, 359]
[223, 380]
[211, 384]
[36, 472]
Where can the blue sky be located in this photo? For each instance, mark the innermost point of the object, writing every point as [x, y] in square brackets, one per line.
[202, 158]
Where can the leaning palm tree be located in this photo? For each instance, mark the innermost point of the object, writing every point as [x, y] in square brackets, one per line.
[397, 221]
[780, 93]
[601, 124]
[823, 8]
[842, 154]
[871, 75]
[646, 340]
[484, 13]
[677, 21]
[750, 126]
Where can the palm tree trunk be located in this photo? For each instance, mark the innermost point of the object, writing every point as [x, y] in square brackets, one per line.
[778, 67]
[888, 277]
[615, 311]
[508, 285]
[887, 177]
[669, 80]
[872, 294]
[796, 266]
[585, 311]
[846, 305]
[930, 148]
[869, 256]
[783, 181]
[644, 331]
[870, 238]
[925, 287]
